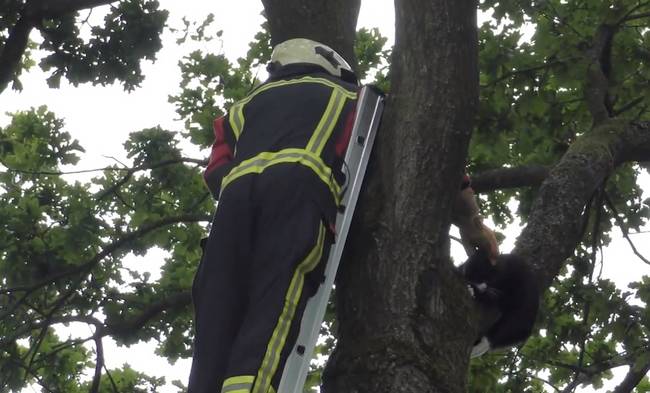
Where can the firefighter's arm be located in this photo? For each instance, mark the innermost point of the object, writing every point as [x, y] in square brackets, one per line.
[473, 232]
[221, 156]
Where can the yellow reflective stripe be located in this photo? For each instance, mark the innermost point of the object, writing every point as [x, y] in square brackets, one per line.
[239, 379]
[236, 119]
[326, 125]
[278, 339]
[238, 384]
[264, 160]
[271, 390]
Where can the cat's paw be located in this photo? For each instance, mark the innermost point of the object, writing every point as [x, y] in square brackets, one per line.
[480, 347]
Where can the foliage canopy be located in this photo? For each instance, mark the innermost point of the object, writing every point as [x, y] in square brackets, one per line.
[63, 243]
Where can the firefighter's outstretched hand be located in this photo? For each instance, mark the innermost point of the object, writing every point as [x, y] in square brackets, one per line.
[475, 235]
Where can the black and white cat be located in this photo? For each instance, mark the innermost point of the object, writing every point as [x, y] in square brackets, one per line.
[511, 286]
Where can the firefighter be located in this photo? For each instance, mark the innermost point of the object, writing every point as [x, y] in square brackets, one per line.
[276, 170]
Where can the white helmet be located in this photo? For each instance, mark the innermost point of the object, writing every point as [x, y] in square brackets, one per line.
[304, 51]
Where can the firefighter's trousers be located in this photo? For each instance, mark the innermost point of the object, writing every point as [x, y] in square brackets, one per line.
[264, 258]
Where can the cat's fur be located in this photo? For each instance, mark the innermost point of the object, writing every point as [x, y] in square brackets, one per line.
[511, 286]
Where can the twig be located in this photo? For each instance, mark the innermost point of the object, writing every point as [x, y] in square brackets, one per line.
[130, 172]
[199, 201]
[33, 374]
[99, 363]
[624, 229]
[116, 160]
[90, 12]
[530, 69]
[632, 10]
[637, 16]
[545, 381]
[602, 263]
[457, 239]
[109, 249]
[628, 106]
[587, 307]
[562, 20]
[572, 386]
[120, 198]
[125, 169]
[599, 72]
[46, 325]
[34, 350]
[110, 378]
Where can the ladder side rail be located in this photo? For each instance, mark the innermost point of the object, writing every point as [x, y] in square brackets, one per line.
[357, 157]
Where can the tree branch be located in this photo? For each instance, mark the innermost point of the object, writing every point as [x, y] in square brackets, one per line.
[553, 229]
[563, 21]
[585, 373]
[109, 249]
[503, 178]
[633, 378]
[628, 106]
[571, 387]
[30, 16]
[48, 319]
[99, 364]
[636, 16]
[125, 328]
[624, 229]
[598, 74]
[130, 170]
[118, 328]
[586, 311]
[33, 374]
[633, 10]
[110, 378]
[13, 50]
[544, 66]
[54, 8]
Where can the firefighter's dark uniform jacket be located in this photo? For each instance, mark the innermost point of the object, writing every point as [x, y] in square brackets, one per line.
[277, 169]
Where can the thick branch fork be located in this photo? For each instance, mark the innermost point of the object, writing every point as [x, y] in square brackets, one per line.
[553, 229]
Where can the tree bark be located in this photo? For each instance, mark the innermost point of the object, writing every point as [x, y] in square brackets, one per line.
[503, 178]
[331, 22]
[12, 52]
[634, 376]
[553, 229]
[404, 324]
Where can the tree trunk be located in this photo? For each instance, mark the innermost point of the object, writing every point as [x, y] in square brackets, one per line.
[404, 322]
[331, 22]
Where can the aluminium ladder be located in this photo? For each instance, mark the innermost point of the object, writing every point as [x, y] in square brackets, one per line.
[370, 105]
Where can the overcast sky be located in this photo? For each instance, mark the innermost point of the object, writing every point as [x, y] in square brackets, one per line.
[102, 117]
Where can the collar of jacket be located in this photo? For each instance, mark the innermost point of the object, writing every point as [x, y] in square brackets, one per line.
[295, 70]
